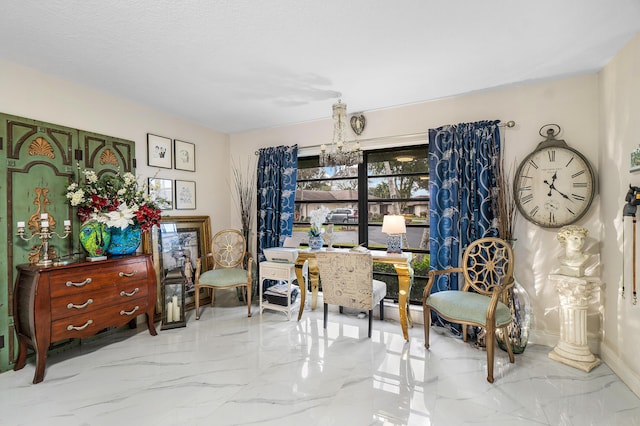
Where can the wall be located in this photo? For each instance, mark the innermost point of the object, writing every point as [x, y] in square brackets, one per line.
[29, 93]
[572, 103]
[619, 135]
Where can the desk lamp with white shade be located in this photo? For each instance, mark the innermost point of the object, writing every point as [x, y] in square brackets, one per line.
[394, 226]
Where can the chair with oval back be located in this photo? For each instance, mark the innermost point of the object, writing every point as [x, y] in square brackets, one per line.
[487, 268]
[232, 267]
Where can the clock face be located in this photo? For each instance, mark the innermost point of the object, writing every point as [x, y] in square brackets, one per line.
[554, 186]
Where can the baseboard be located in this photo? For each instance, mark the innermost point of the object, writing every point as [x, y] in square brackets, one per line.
[618, 366]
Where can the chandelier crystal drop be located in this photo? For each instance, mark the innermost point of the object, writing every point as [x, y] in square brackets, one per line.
[340, 152]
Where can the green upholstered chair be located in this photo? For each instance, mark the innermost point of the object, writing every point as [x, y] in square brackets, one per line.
[347, 280]
[232, 267]
[487, 269]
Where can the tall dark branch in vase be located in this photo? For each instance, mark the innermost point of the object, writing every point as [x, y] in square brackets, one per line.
[506, 210]
[245, 192]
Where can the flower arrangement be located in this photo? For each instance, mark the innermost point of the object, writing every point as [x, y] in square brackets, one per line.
[318, 217]
[115, 200]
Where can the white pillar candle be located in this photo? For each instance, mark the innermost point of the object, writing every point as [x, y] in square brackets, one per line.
[44, 224]
[176, 312]
[170, 312]
[67, 223]
[20, 224]
[44, 216]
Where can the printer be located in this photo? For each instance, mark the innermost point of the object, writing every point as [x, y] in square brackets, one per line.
[281, 254]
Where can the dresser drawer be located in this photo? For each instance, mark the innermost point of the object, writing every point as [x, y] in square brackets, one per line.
[83, 302]
[89, 323]
[276, 271]
[97, 276]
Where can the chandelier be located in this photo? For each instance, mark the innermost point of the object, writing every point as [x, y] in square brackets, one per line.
[341, 152]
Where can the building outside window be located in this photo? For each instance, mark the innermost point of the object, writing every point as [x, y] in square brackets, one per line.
[390, 181]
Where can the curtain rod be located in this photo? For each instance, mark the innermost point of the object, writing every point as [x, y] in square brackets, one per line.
[508, 124]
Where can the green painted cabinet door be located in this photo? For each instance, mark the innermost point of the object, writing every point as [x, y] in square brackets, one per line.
[38, 160]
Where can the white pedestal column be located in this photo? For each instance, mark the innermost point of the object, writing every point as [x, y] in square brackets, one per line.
[575, 295]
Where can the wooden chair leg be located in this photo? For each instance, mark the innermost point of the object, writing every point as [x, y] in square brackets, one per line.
[197, 291]
[249, 300]
[382, 310]
[507, 342]
[426, 316]
[326, 314]
[370, 321]
[491, 337]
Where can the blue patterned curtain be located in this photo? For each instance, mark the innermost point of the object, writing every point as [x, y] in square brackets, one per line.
[277, 174]
[463, 160]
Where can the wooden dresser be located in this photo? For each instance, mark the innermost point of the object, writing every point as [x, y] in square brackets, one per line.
[79, 300]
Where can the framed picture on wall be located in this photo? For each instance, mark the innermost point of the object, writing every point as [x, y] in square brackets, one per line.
[635, 160]
[185, 195]
[185, 155]
[158, 151]
[162, 189]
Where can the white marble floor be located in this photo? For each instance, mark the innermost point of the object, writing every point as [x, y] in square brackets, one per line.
[227, 369]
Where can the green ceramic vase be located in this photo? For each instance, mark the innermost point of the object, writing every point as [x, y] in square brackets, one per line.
[95, 238]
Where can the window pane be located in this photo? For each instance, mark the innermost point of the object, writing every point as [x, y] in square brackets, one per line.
[398, 161]
[416, 211]
[394, 187]
[416, 238]
[311, 170]
[340, 189]
[343, 235]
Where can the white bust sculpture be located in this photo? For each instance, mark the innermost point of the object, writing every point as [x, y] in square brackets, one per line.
[572, 238]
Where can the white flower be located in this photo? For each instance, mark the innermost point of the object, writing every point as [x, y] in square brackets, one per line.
[76, 197]
[120, 218]
[318, 217]
[91, 176]
[129, 178]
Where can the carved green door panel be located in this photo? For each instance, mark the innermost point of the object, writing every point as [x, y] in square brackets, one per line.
[36, 166]
[38, 160]
[106, 153]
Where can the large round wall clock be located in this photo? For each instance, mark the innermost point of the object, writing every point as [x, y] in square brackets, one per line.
[555, 184]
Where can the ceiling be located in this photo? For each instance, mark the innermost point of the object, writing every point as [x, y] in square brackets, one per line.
[240, 65]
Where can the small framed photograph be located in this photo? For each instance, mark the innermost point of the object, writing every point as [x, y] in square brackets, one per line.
[185, 155]
[185, 195]
[159, 151]
[635, 160]
[162, 190]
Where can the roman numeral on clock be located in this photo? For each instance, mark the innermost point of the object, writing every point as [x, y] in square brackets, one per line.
[578, 197]
[526, 198]
[552, 155]
[575, 175]
[534, 210]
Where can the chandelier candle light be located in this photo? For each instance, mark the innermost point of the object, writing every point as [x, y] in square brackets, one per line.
[339, 154]
[394, 226]
[45, 235]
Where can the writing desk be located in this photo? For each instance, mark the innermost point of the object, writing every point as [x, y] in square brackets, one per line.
[401, 263]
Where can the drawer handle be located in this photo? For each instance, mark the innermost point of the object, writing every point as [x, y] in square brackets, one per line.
[125, 274]
[124, 293]
[84, 305]
[82, 284]
[71, 327]
[131, 312]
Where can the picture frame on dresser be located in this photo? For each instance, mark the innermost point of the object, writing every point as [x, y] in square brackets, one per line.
[159, 152]
[176, 244]
[184, 154]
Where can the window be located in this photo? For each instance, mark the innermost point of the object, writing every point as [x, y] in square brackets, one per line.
[390, 181]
